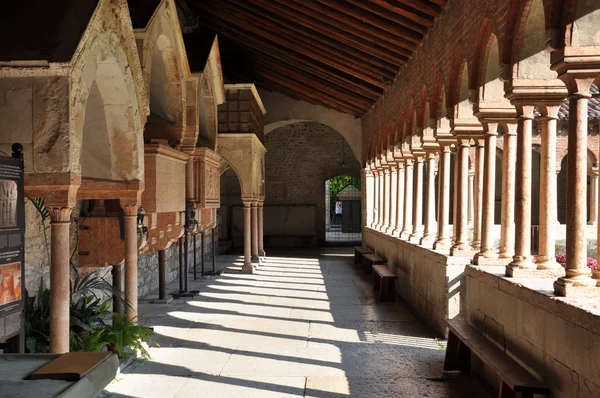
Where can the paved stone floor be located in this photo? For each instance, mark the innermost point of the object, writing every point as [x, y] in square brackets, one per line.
[305, 324]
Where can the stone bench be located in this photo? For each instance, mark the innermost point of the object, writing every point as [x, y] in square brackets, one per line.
[463, 340]
[369, 260]
[359, 252]
[383, 280]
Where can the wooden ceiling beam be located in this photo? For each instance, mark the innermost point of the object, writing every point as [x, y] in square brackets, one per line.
[330, 18]
[352, 66]
[408, 16]
[320, 28]
[420, 5]
[266, 68]
[297, 61]
[309, 36]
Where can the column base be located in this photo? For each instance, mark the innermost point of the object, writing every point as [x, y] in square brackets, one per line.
[490, 258]
[443, 244]
[584, 287]
[255, 259]
[537, 273]
[247, 269]
[427, 241]
[521, 267]
[461, 250]
[389, 230]
[504, 253]
[396, 232]
[405, 235]
[549, 264]
[261, 253]
[476, 245]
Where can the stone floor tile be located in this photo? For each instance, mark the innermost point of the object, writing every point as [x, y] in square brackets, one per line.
[240, 386]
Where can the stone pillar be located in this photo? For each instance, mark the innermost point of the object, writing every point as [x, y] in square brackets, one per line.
[455, 190]
[522, 261]
[393, 199]
[408, 199]
[471, 196]
[60, 219]
[507, 227]
[247, 267]
[443, 234]
[130, 210]
[417, 214]
[593, 196]
[461, 245]
[488, 201]
[375, 209]
[387, 182]
[546, 259]
[399, 199]
[478, 192]
[254, 216]
[577, 271]
[261, 242]
[429, 233]
[367, 195]
[381, 199]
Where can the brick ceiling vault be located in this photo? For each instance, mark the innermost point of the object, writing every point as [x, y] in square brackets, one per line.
[341, 54]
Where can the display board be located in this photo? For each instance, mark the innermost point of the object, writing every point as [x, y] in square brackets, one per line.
[12, 251]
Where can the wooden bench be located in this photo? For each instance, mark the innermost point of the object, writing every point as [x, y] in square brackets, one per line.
[359, 252]
[516, 381]
[371, 259]
[383, 280]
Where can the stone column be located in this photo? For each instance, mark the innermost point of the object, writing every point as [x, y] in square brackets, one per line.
[130, 210]
[461, 245]
[417, 214]
[471, 197]
[488, 198]
[546, 259]
[478, 193]
[375, 209]
[577, 272]
[60, 219]
[247, 267]
[261, 243]
[254, 216]
[367, 195]
[408, 199]
[399, 199]
[593, 196]
[429, 233]
[387, 182]
[443, 234]
[381, 200]
[522, 261]
[393, 199]
[507, 227]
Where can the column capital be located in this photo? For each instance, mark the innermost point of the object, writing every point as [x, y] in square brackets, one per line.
[59, 214]
[130, 206]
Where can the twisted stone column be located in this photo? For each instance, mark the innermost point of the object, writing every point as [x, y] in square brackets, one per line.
[60, 219]
[478, 193]
[393, 200]
[399, 199]
[577, 272]
[429, 233]
[507, 227]
[461, 244]
[443, 234]
[522, 260]
[546, 259]
[408, 199]
[488, 197]
[417, 214]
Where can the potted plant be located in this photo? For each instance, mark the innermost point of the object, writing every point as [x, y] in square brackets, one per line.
[126, 336]
[94, 341]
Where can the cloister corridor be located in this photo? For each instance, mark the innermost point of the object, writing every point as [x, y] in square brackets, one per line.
[305, 324]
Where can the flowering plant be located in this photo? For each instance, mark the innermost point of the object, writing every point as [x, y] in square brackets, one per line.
[561, 258]
[592, 263]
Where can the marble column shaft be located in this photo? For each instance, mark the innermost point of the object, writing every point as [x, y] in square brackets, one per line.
[408, 199]
[380, 206]
[399, 199]
[131, 262]
[507, 227]
[261, 227]
[478, 193]
[417, 214]
[489, 193]
[593, 197]
[443, 207]
[429, 231]
[375, 209]
[247, 235]
[393, 199]
[461, 244]
[254, 216]
[387, 182]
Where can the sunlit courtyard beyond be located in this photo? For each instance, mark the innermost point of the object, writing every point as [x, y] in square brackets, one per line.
[305, 324]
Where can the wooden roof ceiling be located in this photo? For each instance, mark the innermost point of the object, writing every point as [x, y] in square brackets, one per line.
[340, 54]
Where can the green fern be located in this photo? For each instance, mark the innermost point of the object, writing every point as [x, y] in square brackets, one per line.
[38, 204]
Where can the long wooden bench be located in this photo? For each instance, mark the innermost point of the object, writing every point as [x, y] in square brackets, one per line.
[383, 280]
[371, 259]
[359, 252]
[516, 381]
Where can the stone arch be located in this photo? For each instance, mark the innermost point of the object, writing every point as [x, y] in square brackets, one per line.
[233, 161]
[207, 121]
[487, 66]
[530, 56]
[106, 115]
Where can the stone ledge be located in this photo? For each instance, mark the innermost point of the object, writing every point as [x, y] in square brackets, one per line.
[539, 292]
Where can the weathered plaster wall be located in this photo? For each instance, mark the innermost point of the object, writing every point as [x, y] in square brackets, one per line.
[556, 339]
[430, 282]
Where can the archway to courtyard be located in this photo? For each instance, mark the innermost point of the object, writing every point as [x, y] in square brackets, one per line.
[343, 211]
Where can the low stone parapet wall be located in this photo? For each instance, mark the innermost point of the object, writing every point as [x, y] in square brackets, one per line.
[557, 339]
[429, 281]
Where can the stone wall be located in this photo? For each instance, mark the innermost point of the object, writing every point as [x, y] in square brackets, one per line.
[556, 339]
[429, 281]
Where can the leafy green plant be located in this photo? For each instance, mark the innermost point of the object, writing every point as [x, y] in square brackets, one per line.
[95, 341]
[124, 335]
[44, 213]
[88, 312]
[37, 319]
[440, 344]
[336, 185]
